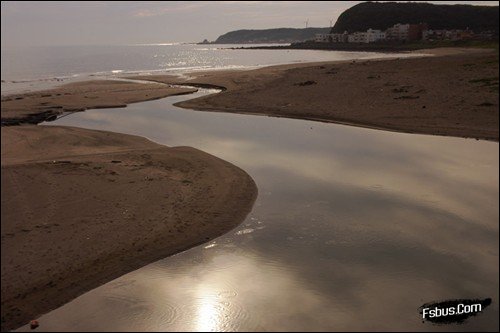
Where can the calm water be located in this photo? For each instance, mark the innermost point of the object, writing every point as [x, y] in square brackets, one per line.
[31, 68]
[353, 229]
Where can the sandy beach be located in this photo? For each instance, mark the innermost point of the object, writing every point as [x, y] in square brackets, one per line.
[81, 207]
[452, 93]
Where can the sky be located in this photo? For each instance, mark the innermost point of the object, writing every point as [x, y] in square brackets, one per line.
[51, 23]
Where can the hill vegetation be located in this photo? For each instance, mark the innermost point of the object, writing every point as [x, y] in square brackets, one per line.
[382, 15]
[280, 35]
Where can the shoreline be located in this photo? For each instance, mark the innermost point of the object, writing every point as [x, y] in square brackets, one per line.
[452, 93]
[235, 86]
[50, 172]
[382, 47]
[53, 82]
[63, 188]
[45, 105]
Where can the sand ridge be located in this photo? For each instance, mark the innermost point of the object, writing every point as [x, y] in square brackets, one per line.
[81, 207]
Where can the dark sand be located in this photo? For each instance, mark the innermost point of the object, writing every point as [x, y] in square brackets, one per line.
[453, 93]
[38, 106]
[82, 207]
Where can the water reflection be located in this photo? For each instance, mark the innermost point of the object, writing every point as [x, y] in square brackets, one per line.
[353, 229]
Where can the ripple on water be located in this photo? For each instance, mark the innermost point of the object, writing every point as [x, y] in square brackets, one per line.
[211, 245]
[220, 311]
[226, 294]
[128, 309]
[244, 231]
[138, 309]
[122, 283]
[165, 314]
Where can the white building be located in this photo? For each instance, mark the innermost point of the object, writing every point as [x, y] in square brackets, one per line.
[398, 32]
[340, 38]
[358, 37]
[322, 38]
[446, 34]
[331, 38]
[370, 36]
[374, 35]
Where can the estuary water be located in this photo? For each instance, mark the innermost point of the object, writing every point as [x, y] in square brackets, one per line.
[353, 229]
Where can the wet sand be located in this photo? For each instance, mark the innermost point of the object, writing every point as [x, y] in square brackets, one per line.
[73, 219]
[81, 207]
[453, 93]
[38, 106]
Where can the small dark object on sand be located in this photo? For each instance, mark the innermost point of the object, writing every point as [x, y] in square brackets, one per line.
[51, 118]
[400, 90]
[116, 161]
[34, 324]
[407, 97]
[306, 83]
[486, 104]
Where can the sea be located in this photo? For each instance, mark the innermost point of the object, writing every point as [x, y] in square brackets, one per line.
[39, 67]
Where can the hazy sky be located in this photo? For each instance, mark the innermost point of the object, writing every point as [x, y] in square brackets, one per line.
[102, 22]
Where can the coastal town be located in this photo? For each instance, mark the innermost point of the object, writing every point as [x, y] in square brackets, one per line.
[400, 33]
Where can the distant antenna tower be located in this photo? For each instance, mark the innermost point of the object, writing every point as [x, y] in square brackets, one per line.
[307, 22]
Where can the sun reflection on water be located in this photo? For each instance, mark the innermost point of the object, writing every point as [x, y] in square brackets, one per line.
[208, 312]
